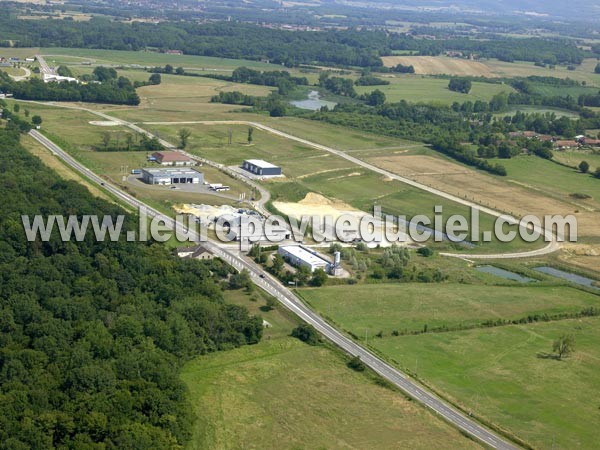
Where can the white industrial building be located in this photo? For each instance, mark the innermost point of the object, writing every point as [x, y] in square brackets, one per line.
[168, 176]
[298, 255]
[261, 168]
[52, 78]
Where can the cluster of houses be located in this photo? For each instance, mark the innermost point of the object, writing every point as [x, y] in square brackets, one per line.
[560, 144]
[8, 62]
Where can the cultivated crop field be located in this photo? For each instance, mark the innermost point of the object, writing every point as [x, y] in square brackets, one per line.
[282, 393]
[533, 185]
[440, 65]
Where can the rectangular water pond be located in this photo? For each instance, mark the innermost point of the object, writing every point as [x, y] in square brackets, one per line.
[573, 278]
[505, 274]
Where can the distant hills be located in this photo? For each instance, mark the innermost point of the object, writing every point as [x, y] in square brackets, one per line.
[573, 10]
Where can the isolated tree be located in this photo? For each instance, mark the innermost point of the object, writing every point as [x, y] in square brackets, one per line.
[597, 173]
[564, 345]
[425, 251]
[319, 278]
[16, 108]
[36, 120]
[376, 98]
[26, 111]
[180, 71]
[168, 68]
[240, 280]
[584, 167]
[129, 140]
[277, 110]
[460, 85]
[106, 139]
[306, 333]
[271, 303]
[356, 364]
[597, 69]
[250, 133]
[184, 136]
[155, 79]
[278, 263]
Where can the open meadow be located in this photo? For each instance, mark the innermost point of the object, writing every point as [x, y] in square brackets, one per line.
[509, 376]
[417, 88]
[282, 393]
[413, 307]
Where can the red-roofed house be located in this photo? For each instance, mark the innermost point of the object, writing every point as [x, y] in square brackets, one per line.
[565, 144]
[172, 159]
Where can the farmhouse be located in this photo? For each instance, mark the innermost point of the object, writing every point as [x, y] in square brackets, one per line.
[172, 176]
[565, 144]
[591, 142]
[172, 159]
[297, 255]
[260, 167]
[197, 252]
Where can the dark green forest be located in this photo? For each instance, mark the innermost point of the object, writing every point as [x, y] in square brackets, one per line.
[241, 40]
[92, 334]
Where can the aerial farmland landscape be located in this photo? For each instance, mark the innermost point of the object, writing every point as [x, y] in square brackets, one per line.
[299, 225]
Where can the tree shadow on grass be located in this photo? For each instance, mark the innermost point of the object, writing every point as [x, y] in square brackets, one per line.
[544, 355]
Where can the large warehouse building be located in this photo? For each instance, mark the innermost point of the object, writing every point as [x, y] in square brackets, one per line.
[261, 168]
[298, 255]
[168, 176]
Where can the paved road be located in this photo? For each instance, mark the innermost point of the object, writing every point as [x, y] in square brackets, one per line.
[22, 77]
[292, 302]
[44, 67]
[552, 246]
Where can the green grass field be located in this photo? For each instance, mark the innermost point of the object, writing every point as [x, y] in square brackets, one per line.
[417, 88]
[146, 58]
[283, 394]
[411, 306]
[504, 375]
[552, 178]
[573, 91]
[574, 157]
[211, 142]
[539, 109]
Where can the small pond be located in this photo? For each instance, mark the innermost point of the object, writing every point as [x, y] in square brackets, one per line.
[313, 102]
[492, 270]
[573, 278]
